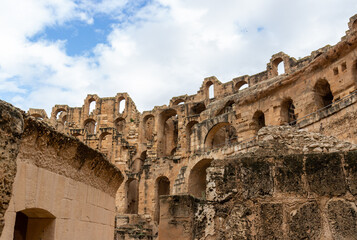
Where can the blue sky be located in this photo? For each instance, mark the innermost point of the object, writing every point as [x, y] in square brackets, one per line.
[57, 52]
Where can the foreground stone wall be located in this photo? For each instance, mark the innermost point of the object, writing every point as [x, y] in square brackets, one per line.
[65, 189]
[310, 196]
[11, 127]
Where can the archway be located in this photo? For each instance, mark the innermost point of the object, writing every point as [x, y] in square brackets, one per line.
[167, 133]
[197, 180]
[228, 107]
[198, 108]
[240, 85]
[119, 124]
[287, 112]
[278, 66]
[323, 94]
[92, 106]
[220, 135]
[34, 223]
[210, 90]
[162, 187]
[132, 196]
[90, 126]
[149, 122]
[258, 120]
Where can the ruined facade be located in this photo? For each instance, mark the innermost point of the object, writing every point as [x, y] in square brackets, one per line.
[189, 147]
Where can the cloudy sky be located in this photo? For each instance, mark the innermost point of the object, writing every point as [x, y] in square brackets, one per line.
[58, 51]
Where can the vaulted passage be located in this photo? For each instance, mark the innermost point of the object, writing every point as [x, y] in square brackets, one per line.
[323, 94]
[162, 187]
[132, 197]
[167, 133]
[197, 181]
[288, 115]
[258, 120]
[34, 224]
[220, 135]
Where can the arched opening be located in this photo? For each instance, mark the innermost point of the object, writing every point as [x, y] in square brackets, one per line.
[121, 106]
[278, 66]
[258, 120]
[240, 85]
[168, 133]
[228, 107]
[162, 187]
[34, 223]
[179, 102]
[197, 180]
[120, 125]
[92, 106]
[60, 113]
[198, 108]
[323, 94]
[210, 90]
[149, 122]
[189, 135]
[220, 135]
[288, 115]
[132, 196]
[105, 143]
[90, 126]
[138, 163]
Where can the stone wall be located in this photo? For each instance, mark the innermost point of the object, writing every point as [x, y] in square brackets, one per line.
[11, 127]
[311, 196]
[62, 190]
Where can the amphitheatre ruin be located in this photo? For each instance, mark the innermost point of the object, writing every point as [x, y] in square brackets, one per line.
[267, 156]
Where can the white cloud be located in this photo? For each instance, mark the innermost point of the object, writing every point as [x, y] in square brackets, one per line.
[162, 50]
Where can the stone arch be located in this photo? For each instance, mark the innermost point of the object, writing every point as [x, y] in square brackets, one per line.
[162, 187]
[92, 105]
[258, 120]
[179, 101]
[197, 181]
[90, 126]
[34, 223]
[220, 135]
[287, 112]
[121, 105]
[149, 124]
[119, 125]
[138, 163]
[323, 94]
[132, 196]
[228, 107]
[58, 112]
[198, 108]
[189, 136]
[277, 60]
[240, 85]
[105, 142]
[167, 132]
[209, 89]
[278, 66]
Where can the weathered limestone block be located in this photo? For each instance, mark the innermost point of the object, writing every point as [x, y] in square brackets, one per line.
[305, 222]
[256, 179]
[351, 171]
[11, 128]
[271, 220]
[237, 225]
[289, 174]
[324, 174]
[342, 216]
